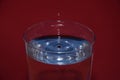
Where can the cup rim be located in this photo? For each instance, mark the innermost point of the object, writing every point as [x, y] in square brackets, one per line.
[61, 21]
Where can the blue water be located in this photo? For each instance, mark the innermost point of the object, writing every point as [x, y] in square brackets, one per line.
[59, 50]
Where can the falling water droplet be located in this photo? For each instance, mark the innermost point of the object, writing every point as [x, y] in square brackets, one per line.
[58, 16]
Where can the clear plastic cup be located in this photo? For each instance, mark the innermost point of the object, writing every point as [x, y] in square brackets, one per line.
[59, 50]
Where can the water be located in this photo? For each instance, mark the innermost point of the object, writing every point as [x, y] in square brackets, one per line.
[59, 58]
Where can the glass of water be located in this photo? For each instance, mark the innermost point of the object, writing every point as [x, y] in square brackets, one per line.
[59, 50]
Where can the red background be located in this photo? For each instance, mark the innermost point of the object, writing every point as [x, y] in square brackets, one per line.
[100, 15]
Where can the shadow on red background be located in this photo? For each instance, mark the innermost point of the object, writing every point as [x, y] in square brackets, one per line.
[100, 15]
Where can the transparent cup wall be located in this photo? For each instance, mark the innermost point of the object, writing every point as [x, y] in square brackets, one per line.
[59, 50]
